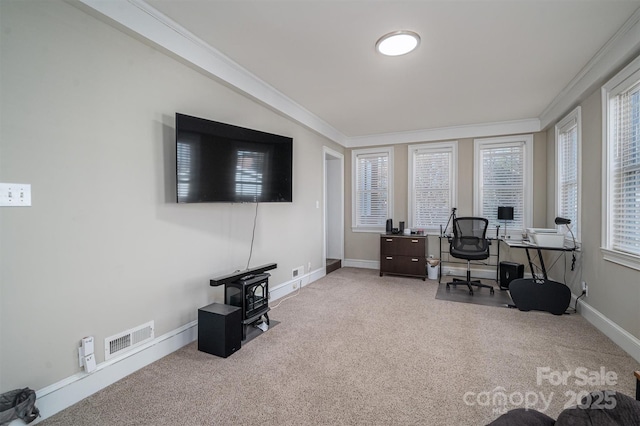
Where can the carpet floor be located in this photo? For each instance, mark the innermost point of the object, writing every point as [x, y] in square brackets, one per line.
[354, 348]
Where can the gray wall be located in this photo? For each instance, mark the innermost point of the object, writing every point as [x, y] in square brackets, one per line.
[87, 120]
[365, 246]
[614, 290]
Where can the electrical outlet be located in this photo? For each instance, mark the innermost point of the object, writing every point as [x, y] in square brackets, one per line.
[585, 288]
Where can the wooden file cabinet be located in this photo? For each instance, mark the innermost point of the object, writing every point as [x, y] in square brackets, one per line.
[403, 255]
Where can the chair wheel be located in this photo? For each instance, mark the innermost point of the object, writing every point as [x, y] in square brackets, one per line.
[471, 292]
[491, 292]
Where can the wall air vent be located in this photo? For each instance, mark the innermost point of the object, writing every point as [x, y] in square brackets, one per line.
[122, 342]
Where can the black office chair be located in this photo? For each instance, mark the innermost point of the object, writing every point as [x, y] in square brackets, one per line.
[469, 242]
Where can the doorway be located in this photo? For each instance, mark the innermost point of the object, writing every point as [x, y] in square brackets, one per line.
[333, 209]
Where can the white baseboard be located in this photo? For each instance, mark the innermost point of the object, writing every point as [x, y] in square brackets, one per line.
[58, 396]
[292, 285]
[462, 272]
[446, 270]
[628, 342]
[63, 394]
[358, 263]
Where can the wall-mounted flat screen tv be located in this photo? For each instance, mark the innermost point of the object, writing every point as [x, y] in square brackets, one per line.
[218, 162]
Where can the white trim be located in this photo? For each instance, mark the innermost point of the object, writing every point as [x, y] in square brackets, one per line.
[354, 171]
[286, 288]
[359, 263]
[340, 157]
[606, 189]
[624, 259]
[576, 115]
[478, 145]
[610, 57]
[449, 272]
[628, 342]
[447, 133]
[63, 394]
[617, 84]
[143, 20]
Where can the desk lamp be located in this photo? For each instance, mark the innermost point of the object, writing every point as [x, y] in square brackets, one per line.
[567, 222]
[505, 213]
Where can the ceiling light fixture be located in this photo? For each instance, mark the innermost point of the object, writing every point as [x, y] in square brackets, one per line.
[398, 43]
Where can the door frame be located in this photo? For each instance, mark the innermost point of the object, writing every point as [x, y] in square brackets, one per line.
[334, 155]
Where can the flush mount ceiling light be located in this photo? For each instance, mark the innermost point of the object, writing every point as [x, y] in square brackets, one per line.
[397, 43]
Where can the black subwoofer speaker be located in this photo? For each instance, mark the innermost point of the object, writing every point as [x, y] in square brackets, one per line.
[510, 271]
[219, 329]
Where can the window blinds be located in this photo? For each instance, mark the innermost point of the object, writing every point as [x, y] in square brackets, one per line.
[502, 182]
[187, 151]
[249, 173]
[372, 189]
[568, 172]
[625, 171]
[432, 193]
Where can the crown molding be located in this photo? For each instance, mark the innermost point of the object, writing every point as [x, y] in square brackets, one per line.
[448, 133]
[139, 19]
[619, 50]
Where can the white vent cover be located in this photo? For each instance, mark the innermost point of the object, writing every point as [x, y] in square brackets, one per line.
[121, 342]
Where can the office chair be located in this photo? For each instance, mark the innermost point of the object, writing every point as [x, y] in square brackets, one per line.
[469, 242]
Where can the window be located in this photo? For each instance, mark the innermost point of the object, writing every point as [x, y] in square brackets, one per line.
[568, 154]
[432, 184]
[372, 189]
[504, 177]
[250, 166]
[621, 167]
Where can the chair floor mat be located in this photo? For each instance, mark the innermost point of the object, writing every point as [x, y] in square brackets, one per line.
[481, 296]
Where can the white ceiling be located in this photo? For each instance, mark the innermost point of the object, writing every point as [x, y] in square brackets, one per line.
[479, 62]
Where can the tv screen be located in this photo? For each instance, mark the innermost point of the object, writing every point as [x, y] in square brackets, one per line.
[218, 162]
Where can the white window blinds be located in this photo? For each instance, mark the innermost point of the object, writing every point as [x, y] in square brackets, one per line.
[432, 185]
[250, 166]
[568, 178]
[624, 171]
[503, 178]
[372, 189]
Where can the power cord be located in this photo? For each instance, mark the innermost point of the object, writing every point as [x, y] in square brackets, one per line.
[253, 235]
[288, 297]
[575, 308]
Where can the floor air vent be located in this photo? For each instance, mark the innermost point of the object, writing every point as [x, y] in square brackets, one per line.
[121, 342]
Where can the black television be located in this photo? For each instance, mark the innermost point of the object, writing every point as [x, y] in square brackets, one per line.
[223, 163]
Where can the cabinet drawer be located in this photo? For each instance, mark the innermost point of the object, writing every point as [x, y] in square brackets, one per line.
[403, 246]
[404, 265]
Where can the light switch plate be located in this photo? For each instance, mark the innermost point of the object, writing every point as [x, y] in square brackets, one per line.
[15, 194]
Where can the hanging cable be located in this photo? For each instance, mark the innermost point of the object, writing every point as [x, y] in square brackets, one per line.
[253, 235]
